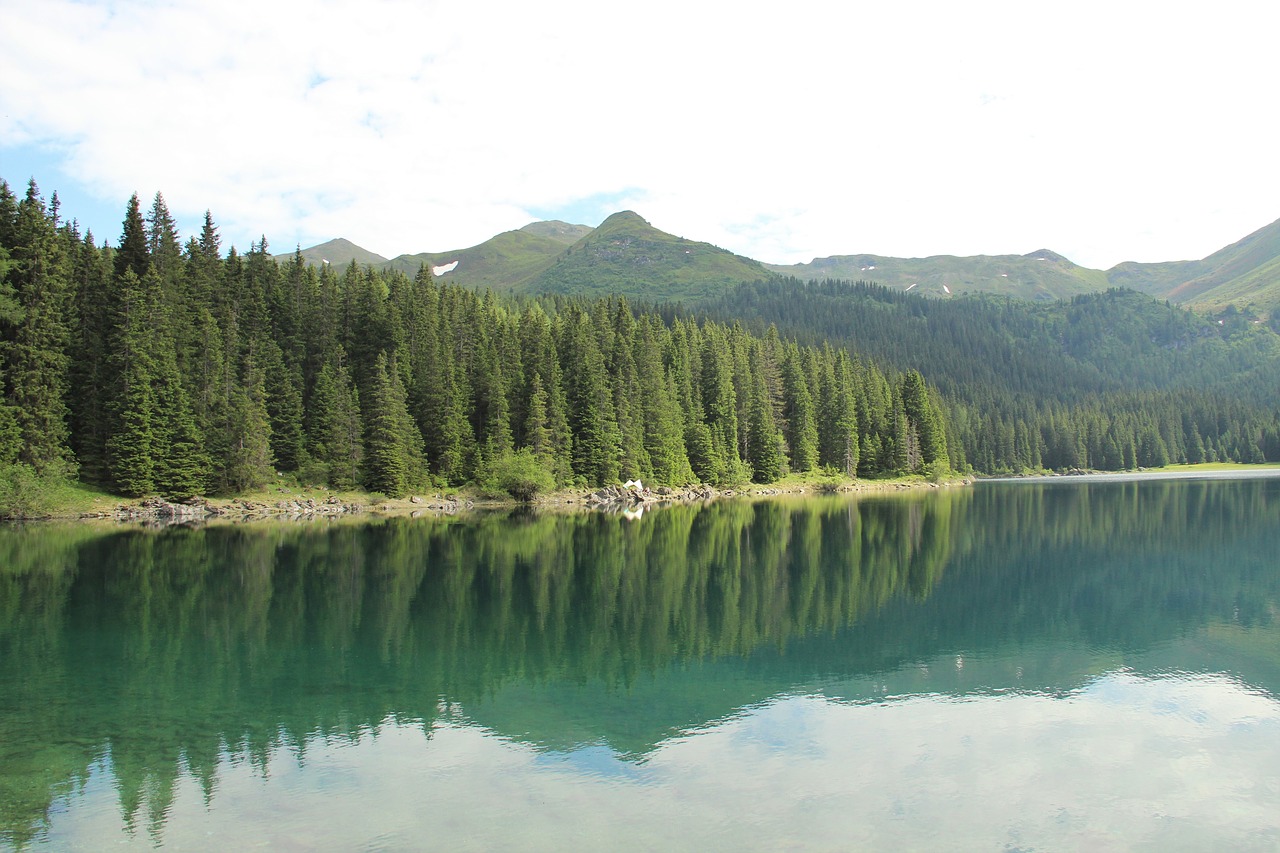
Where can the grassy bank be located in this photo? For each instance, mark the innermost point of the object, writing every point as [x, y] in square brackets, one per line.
[61, 500]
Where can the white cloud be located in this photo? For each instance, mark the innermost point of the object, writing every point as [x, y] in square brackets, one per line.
[783, 133]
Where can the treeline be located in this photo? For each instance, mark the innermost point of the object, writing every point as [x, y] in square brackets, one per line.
[1112, 380]
[159, 367]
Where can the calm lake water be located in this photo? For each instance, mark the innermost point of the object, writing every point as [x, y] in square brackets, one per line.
[1061, 666]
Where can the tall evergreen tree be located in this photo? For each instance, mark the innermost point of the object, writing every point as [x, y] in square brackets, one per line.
[132, 255]
[590, 412]
[132, 403]
[337, 438]
[246, 434]
[764, 440]
[798, 412]
[394, 463]
[33, 350]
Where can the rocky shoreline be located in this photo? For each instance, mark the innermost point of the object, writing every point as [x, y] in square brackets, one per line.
[630, 497]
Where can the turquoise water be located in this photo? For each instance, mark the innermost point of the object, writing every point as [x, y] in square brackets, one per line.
[1056, 666]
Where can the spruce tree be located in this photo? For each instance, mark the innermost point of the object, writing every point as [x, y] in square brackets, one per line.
[764, 439]
[90, 372]
[132, 403]
[246, 434]
[589, 401]
[394, 462]
[336, 426]
[181, 466]
[798, 413]
[132, 255]
[33, 350]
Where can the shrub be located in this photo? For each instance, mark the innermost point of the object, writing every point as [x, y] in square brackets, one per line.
[521, 474]
[24, 493]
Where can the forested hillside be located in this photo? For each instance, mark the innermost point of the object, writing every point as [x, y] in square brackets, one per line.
[1111, 380]
[158, 366]
[171, 368]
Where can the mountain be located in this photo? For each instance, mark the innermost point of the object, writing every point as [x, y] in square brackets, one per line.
[627, 255]
[562, 232]
[1042, 275]
[500, 263]
[1247, 271]
[339, 252]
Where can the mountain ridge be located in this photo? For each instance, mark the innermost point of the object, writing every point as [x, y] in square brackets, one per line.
[626, 254]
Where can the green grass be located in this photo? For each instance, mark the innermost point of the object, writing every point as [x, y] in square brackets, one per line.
[1220, 466]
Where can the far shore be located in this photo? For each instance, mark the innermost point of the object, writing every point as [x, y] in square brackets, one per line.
[290, 502]
[287, 502]
[1203, 471]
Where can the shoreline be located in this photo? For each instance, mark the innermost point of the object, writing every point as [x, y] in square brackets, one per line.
[288, 503]
[296, 504]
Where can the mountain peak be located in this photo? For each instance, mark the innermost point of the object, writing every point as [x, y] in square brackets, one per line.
[338, 252]
[623, 220]
[1046, 255]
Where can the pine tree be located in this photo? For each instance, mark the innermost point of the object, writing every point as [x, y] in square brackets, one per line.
[181, 463]
[132, 254]
[394, 462]
[337, 430]
[660, 408]
[764, 440]
[798, 412]
[284, 407]
[33, 350]
[924, 419]
[590, 413]
[90, 366]
[720, 403]
[838, 421]
[246, 430]
[132, 403]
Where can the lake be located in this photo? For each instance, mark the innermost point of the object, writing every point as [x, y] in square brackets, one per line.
[1012, 666]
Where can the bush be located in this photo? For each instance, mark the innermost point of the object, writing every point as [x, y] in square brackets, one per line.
[24, 493]
[521, 475]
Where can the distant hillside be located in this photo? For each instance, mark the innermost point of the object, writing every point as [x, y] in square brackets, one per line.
[339, 252]
[500, 263]
[1246, 271]
[627, 255]
[1039, 275]
[562, 232]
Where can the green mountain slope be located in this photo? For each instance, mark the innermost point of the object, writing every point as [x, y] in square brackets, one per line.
[629, 256]
[1247, 269]
[1038, 275]
[626, 255]
[1246, 272]
[339, 253]
[562, 232]
[500, 263]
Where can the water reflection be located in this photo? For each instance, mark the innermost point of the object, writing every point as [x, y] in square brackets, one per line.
[417, 665]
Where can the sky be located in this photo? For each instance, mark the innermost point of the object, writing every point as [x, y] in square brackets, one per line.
[1105, 131]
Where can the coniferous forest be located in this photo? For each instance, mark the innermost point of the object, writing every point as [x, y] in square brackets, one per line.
[159, 367]
[156, 366]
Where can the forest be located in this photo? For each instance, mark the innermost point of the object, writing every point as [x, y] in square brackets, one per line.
[160, 367]
[155, 367]
[1114, 380]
